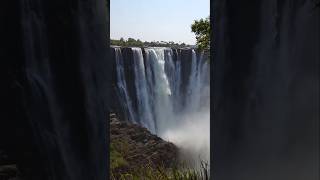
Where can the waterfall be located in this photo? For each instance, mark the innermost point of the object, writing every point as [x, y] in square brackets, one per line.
[144, 107]
[122, 86]
[177, 82]
[161, 76]
[159, 88]
[197, 83]
[56, 88]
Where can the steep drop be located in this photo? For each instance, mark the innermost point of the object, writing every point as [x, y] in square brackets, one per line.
[172, 94]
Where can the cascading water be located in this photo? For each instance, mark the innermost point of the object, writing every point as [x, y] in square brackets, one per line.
[197, 83]
[122, 86]
[144, 107]
[160, 92]
[159, 88]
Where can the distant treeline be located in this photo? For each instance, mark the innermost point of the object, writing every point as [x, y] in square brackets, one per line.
[138, 43]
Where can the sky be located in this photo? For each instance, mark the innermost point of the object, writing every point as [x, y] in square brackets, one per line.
[156, 20]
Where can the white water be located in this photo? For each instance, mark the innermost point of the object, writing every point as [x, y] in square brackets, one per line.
[122, 85]
[192, 130]
[158, 90]
[144, 106]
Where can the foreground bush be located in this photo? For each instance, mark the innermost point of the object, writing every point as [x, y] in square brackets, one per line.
[149, 172]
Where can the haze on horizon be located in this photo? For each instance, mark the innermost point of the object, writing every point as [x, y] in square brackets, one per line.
[156, 20]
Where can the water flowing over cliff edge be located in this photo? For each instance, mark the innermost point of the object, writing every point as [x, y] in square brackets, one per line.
[266, 90]
[55, 88]
[167, 91]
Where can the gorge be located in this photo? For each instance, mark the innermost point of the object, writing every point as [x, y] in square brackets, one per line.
[167, 91]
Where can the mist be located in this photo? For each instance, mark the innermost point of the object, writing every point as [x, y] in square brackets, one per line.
[169, 94]
[192, 136]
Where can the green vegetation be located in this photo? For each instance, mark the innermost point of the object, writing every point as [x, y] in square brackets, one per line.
[202, 29]
[150, 173]
[121, 170]
[130, 42]
[116, 159]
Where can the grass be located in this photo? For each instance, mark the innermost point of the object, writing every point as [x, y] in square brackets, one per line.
[122, 169]
[116, 159]
[160, 173]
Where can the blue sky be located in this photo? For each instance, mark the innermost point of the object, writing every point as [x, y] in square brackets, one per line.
[158, 20]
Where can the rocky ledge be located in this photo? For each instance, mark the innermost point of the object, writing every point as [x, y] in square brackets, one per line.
[8, 170]
[133, 147]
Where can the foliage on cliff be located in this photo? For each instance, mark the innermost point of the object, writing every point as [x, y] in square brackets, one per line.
[137, 154]
[130, 42]
[201, 28]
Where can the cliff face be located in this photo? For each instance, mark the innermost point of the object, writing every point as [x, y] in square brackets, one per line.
[55, 79]
[184, 56]
[265, 90]
[138, 148]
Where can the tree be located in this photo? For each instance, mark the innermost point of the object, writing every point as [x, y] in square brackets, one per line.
[122, 42]
[201, 28]
[131, 42]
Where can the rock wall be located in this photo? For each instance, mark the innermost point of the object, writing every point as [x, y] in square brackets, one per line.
[55, 87]
[265, 90]
[143, 148]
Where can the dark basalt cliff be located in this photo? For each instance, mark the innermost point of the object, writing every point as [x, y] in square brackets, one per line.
[265, 90]
[182, 54]
[128, 61]
[139, 148]
[54, 87]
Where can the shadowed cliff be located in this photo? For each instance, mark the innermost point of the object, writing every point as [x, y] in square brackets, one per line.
[54, 78]
[265, 90]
